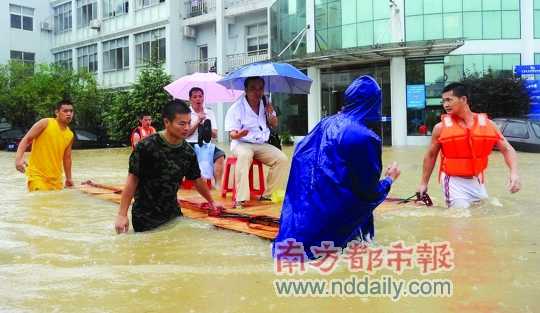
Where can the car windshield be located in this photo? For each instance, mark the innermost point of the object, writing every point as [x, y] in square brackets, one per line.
[516, 130]
[536, 128]
[13, 133]
[84, 135]
[499, 123]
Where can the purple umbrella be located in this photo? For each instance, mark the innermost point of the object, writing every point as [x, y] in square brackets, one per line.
[213, 92]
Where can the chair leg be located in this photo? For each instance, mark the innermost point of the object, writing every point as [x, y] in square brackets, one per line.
[225, 180]
[261, 180]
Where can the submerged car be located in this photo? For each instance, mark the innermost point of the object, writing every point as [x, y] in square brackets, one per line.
[522, 133]
[10, 138]
[86, 139]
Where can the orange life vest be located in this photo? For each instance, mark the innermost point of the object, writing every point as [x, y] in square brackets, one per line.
[464, 151]
[142, 134]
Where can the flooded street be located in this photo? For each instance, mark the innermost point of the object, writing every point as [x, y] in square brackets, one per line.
[59, 252]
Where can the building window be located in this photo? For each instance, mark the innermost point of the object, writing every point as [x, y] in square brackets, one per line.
[287, 19]
[346, 24]
[446, 19]
[115, 7]
[64, 59]
[148, 3]
[116, 54]
[21, 17]
[87, 58]
[62, 18]
[150, 46]
[25, 57]
[536, 19]
[257, 39]
[427, 77]
[86, 11]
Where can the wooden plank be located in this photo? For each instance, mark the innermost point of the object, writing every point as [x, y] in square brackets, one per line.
[192, 207]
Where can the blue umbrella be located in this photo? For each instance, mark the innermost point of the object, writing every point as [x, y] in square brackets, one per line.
[278, 77]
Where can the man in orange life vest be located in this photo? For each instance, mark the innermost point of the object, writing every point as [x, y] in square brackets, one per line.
[465, 140]
[144, 129]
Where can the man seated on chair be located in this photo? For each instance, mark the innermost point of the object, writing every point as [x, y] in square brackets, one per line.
[199, 116]
[247, 122]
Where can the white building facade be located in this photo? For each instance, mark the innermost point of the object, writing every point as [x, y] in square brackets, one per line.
[407, 45]
[23, 37]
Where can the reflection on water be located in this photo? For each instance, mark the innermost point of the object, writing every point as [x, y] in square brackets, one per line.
[58, 251]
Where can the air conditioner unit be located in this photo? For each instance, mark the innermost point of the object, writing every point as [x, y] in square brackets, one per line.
[46, 26]
[189, 32]
[95, 24]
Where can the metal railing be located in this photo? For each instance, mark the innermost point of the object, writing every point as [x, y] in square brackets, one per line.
[236, 60]
[201, 66]
[199, 7]
[237, 3]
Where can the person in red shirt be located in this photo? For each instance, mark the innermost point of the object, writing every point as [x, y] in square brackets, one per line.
[144, 129]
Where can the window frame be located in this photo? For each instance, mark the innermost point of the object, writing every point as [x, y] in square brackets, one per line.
[110, 8]
[63, 14]
[258, 36]
[87, 58]
[143, 4]
[86, 12]
[64, 59]
[152, 39]
[465, 15]
[22, 15]
[120, 46]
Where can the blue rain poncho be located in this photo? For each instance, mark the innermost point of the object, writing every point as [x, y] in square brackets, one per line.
[334, 184]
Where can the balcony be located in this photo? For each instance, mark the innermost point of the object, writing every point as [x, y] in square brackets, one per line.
[199, 7]
[234, 61]
[201, 66]
[203, 11]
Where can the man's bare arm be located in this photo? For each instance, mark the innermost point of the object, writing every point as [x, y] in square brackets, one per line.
[122, 221]
[430, 158]
[67, 164]
[510, 158]
[33, 133]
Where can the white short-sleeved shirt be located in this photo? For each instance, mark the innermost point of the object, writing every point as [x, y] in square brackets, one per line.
[240, 116]
[194, 119]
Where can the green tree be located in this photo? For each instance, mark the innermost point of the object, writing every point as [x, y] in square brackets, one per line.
[30, 92]
[17, 97]
[145, 96]
[498, 96]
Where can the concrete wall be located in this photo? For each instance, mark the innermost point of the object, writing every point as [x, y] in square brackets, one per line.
[36, 41]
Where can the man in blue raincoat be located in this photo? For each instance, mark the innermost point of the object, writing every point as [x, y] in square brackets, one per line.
[334, 184]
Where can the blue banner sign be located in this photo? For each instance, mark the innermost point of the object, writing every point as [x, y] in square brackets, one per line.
[533, 89]
[527, 70]
[416, 96]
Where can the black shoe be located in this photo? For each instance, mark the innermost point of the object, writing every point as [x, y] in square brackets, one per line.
[205, 132]
[265, 198]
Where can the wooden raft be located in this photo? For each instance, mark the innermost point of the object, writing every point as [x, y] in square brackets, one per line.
[192, 206]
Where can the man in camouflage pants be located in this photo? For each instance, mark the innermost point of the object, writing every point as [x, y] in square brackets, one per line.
[156, 167]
